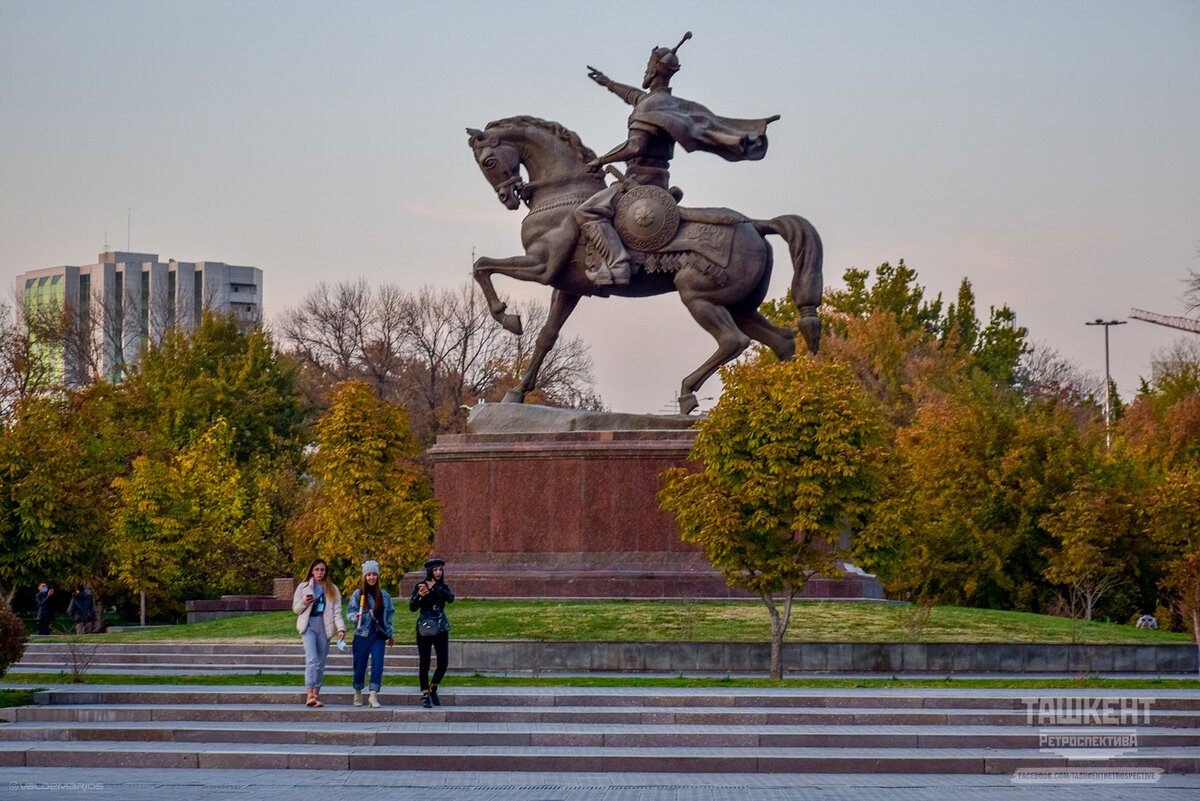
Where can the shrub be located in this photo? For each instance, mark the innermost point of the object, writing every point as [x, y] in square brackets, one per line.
[13, 636]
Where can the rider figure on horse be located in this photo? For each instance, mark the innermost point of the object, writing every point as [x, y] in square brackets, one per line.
[659, 121]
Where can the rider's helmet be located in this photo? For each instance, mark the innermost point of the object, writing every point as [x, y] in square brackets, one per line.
[663, 61]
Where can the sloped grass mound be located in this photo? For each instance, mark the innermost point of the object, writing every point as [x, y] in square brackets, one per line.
[705, 621]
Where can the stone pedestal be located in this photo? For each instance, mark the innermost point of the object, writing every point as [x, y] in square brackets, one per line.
[574, 514]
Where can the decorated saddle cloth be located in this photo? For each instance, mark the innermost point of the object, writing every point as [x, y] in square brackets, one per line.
[703, 242]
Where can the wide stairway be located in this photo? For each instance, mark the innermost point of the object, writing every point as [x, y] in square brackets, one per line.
[48, 656]
[704, 730]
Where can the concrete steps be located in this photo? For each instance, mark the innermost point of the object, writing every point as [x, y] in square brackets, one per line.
[594, 729]
[195, 658]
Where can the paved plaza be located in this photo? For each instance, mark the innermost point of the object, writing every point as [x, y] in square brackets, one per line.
[112, 784]
[127, 743]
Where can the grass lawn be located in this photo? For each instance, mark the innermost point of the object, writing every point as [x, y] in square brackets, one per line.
[18, 697]
[395, 682]
[705, 621]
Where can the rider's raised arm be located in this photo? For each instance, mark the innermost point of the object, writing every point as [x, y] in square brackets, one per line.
[629, 94]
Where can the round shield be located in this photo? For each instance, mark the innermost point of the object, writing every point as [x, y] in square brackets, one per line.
[647, 217]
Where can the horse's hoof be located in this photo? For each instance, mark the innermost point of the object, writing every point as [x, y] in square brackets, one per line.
[514, 395]
[688, 403]
[512, 324]
[810, 329]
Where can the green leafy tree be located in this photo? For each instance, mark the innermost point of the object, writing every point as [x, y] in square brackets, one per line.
[196, 524]
[218, 370]
[894, 290]
[58, 457]
[960, 322]
[1174, 524]
[791, 456]
[961, 522]
[1092, 527]
[1000, 346]
[370, 499]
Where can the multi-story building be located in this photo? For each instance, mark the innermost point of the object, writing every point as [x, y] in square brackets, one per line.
[114, 307]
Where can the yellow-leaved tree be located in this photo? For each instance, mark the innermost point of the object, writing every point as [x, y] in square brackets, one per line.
[369, 499]
[792, 455]
[192, 523]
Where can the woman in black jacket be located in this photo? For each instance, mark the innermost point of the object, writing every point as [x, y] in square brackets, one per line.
[429, 598]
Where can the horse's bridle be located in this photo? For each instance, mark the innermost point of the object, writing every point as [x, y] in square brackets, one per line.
[519, 188]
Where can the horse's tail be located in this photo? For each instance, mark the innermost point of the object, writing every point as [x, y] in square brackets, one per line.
[807, 283]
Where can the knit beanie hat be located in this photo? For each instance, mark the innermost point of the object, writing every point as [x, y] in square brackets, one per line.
[370, 566]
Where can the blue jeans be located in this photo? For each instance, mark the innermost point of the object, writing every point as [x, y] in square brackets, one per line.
[316, 650]
[364, 647]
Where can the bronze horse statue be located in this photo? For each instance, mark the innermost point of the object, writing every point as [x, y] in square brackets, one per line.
[723, 298]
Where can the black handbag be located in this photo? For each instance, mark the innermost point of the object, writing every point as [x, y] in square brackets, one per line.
[428, 626]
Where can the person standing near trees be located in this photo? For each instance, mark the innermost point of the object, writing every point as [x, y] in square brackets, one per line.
[44, 595]
[319, 606]
[82, 610]
[429, 599]
[372, 610]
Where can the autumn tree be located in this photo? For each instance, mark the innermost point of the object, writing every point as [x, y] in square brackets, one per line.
[791, 456]
[1174, 524]
[894, 290]
[1089, 527]
[218, 370]
[195, 524]
[58, 457]
[369, 499]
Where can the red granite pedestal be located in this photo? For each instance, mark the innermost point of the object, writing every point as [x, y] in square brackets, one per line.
[575, 515]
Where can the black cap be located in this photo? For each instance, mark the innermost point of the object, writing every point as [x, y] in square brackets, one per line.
[430, 564]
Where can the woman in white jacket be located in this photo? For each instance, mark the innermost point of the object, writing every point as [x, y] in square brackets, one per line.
[319, 606]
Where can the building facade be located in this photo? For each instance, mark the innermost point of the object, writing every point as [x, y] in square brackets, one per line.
[125, 300]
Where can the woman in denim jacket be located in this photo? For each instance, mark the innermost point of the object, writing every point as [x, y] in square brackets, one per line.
[372, 630]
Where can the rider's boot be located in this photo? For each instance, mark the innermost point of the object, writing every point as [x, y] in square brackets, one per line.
[618, 269]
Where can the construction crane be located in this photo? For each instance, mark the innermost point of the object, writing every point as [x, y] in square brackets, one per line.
[1182, 323]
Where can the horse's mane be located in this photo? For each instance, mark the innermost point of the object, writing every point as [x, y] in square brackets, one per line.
[562, 133]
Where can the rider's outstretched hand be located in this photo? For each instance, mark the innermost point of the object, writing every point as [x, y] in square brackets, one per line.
[594, 165]
[599, 77]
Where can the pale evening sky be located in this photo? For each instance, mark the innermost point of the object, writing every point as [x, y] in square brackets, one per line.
[1046, 150]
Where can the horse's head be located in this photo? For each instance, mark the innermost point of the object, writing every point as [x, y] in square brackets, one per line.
[501, 165]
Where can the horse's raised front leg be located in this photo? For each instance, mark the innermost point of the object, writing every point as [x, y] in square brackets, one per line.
[561, 306]
[523, 268]
[717, 321]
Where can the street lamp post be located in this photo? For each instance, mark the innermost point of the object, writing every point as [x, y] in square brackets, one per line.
[1107, 380]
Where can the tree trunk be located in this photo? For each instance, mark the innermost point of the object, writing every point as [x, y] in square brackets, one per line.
[1195, 610]
[779, 624]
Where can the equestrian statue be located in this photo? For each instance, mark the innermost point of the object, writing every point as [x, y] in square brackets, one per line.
[630, 238]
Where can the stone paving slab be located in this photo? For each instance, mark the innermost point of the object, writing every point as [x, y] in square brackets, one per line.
[923, 697]
[574, 734]
[110, 784]
[339, 710]
[677, 760]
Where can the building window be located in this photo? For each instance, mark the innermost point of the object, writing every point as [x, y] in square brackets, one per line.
[85, 303]
[198, 297]
[171, 299]
[145, 332]
[118, 321]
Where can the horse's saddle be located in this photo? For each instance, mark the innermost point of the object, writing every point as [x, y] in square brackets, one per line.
[664, 237]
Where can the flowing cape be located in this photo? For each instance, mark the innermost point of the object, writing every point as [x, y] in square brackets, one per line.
[694, 127]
